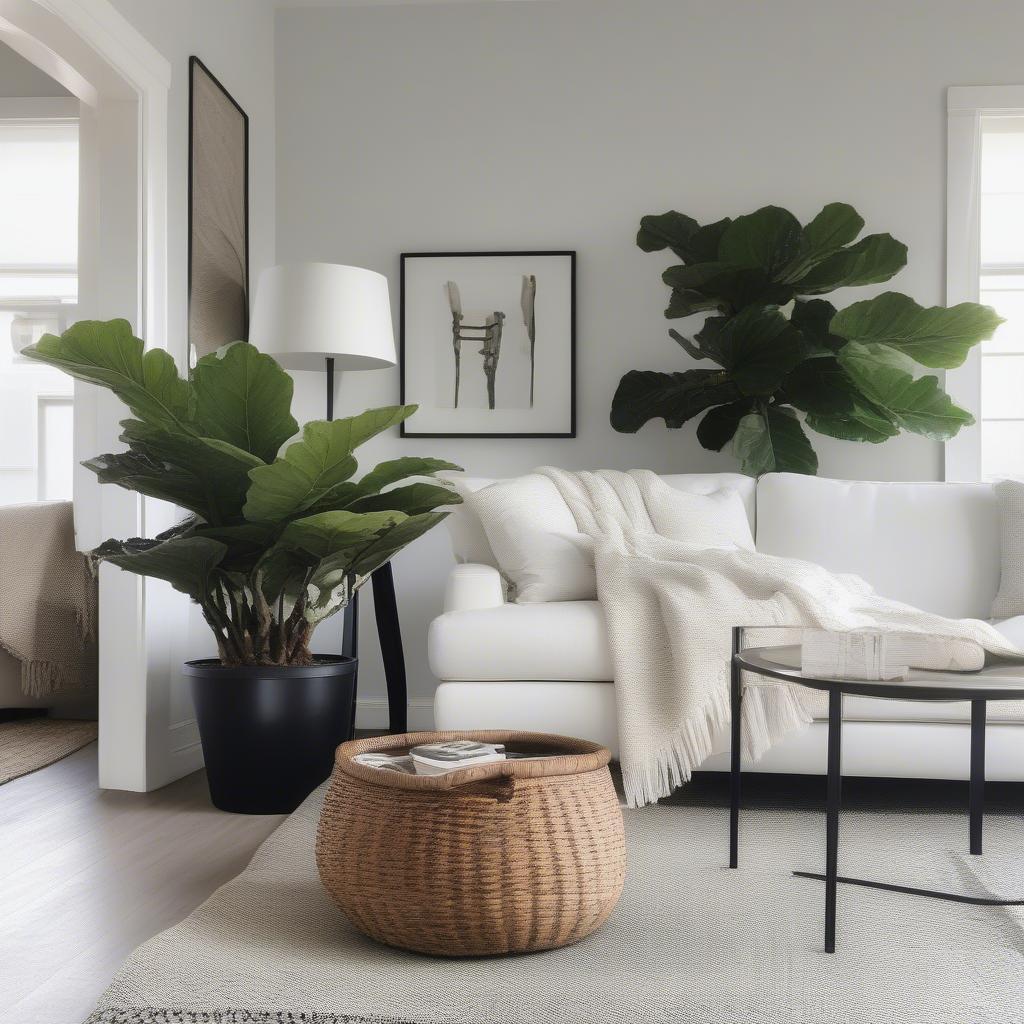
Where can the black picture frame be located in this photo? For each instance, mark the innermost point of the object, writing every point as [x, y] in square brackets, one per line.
[196, 64]
[405, 430]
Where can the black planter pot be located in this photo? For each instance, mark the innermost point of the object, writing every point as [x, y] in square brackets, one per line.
[269, 733]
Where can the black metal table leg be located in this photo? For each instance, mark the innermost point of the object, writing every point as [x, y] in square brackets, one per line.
[350, 648]
[835, 736]
[385, 608]
[977, 786]
[735, 711]
[977, 794]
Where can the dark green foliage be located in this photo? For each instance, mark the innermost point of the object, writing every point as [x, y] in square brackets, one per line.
[276, 540]
[780, 349]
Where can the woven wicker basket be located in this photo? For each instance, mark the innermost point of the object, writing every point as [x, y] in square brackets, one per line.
[501, 858]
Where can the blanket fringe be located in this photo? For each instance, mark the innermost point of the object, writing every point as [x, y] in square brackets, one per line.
[770, 712]
[42, 678]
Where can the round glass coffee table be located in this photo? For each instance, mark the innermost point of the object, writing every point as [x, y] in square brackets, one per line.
[1003, 682]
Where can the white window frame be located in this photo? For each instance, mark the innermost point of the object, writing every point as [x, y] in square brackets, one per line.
[43, 400]
[41, 110]
[965, 108]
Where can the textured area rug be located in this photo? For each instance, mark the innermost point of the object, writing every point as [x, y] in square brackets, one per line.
[30, 744]
[690, 941]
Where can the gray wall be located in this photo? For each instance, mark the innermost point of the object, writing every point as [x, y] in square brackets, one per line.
[19, 78]
[557, 125]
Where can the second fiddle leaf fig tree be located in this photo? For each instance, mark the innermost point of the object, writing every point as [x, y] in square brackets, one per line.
[780, 357]
[278, 535]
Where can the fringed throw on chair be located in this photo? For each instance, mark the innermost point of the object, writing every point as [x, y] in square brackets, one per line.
[47, 598]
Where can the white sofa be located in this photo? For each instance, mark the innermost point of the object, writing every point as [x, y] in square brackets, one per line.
[547, 667]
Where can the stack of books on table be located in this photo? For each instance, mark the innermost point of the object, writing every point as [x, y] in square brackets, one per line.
[438, 758]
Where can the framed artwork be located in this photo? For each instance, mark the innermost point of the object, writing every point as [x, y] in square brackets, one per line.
[218, 215]
[488, 343]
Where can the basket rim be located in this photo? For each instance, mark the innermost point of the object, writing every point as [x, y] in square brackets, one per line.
[583, 756]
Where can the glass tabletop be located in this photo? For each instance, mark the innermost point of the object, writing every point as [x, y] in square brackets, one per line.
[994, 682]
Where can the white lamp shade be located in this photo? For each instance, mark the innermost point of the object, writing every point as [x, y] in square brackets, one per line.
[306, 312]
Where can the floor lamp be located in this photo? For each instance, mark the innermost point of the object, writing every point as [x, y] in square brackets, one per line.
[329, 318]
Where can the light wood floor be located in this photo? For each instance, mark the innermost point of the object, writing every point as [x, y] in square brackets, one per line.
[86, 875]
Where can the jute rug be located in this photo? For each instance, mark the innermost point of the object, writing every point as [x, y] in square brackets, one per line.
[691, 941]
[27, 745]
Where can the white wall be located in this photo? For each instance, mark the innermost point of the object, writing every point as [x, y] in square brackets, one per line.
[557, 125]
[234, 38]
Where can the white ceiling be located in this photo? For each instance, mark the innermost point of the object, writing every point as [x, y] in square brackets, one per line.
[382, 3]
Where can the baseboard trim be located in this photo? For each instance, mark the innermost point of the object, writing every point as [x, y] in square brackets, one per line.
[372, 713]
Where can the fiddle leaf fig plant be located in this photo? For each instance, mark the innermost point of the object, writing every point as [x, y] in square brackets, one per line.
[279, 533]
[775, 358]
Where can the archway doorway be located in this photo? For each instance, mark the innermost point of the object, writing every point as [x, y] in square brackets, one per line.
[122, 83]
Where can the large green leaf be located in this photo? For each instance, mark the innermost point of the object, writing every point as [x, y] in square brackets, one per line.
[863, 422]
[767, 239]
[689, 347]
[135, 471]
[315, 469]
[812, 318]
[246, 543]
[390, 472]
[683, 303]
[935, 336]
[243, 397]
[356, 430]
[820, 386]
[704, 242]
[336, 576]
[836, 225]
[701, 286]
[709, 340]
[873, 259]
[773, 441]
[221, 469]
[391, 541]
[108, 354]
[327, 533]
[670, 230]
[759, 346]
[187, 563]
[719, 425]
[411, 499]
[644, 395]
[919, 406]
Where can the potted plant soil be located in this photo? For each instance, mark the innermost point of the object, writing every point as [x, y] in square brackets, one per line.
[277, 535]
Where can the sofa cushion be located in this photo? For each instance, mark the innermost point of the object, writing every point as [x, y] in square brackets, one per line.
[566, 641]
[470, 543]
[933, 545]
[535, 538]
[557, 640]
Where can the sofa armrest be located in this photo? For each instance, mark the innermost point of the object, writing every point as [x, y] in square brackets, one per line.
[474, 585]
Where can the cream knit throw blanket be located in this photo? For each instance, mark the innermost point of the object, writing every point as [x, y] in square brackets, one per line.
[47, 598]
[670, 607]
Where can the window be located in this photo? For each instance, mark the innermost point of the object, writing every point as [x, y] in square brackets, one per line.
[38, 294]
[1001, 285]
[985, 263]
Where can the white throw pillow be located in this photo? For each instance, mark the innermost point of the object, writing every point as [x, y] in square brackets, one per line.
[469, 542]
[535, 540]
[1010, 599]
[543, 555]
[715, 520]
